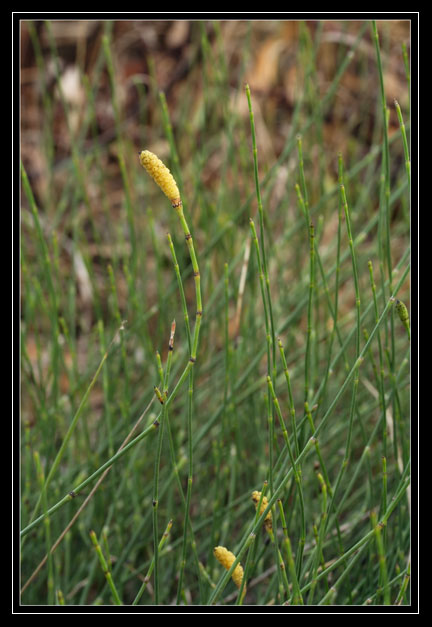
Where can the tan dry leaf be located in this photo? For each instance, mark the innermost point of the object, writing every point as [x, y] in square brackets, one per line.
[263, 75]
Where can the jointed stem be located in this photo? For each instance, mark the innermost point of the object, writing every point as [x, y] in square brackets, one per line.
[254, 527]
[73, 493]
[261, 221]
[162, 398]
[192, 360]
[196, 272]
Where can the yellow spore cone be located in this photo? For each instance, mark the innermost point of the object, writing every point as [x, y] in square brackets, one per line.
[268, 524]
[226, 558]
[161, 175]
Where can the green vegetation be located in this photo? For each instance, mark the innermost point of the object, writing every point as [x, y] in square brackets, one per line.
[157, 395]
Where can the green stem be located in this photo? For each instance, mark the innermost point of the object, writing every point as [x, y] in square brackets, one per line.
[358, 359]
[151, 567]
[261, 220]
[404, 142]
[74, 493]
[363, 542]
[105, 568]
[297, 598]
[383, 577]
[254, 527]
[155, 504]
[296, 472]
[320, 539]
[68, 437]
[270, 421]
[386, 153]
[192, 360]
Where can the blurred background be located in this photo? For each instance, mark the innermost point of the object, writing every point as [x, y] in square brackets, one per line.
[79, 117]
[183, 59]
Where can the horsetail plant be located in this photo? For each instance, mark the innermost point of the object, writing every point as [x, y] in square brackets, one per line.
[297, 598]
[265, 286]
[89, 496]
[34, 521]
[83, 484]
[151, 567]
[261, 503]
[261, 222]
[249, 535]
[251, 555]
[404, 141]
[162, 396]
[296, 471]
[47, 524]
[383, 576]
[359, 358]
[105, 568]
[163, 177]
[318, 557]
[386, 153]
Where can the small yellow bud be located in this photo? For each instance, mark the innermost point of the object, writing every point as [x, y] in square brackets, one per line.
[161, 175]
[264, 503]
[226, 558]
[403, 314]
